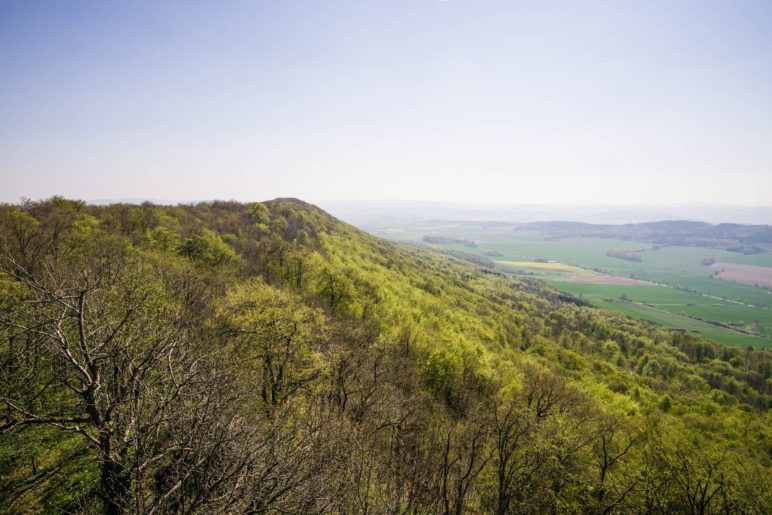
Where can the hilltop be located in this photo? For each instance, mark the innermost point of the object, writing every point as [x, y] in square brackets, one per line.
[269, 357]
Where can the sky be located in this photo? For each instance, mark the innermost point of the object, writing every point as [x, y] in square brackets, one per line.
[506, 102]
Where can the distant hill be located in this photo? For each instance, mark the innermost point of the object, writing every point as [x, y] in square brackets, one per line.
[378, 213]
[267, 357]
[733, 237]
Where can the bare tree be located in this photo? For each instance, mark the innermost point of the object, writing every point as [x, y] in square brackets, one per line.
[464, 456]
[613, 443]
[97, 342]
[511, 428]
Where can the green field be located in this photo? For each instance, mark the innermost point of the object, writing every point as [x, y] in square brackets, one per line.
[533, 267]
[687, 298]
[680, 310]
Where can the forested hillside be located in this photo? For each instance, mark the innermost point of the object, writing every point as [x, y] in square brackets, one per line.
[265, 357]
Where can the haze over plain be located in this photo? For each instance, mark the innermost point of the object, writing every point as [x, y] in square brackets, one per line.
[485, 101]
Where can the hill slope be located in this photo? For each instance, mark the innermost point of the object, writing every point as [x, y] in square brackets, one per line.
[267, 357]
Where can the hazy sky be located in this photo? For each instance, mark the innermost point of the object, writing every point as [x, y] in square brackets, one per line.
[501, 101]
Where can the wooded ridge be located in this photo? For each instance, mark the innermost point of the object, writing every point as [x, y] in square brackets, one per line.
[266, 357]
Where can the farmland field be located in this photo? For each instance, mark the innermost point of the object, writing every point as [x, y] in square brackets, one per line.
[670, 285]
[745, 274]
[719, 320]
[553, 268]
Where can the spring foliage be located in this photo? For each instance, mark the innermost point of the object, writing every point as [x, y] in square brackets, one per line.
[265, 357]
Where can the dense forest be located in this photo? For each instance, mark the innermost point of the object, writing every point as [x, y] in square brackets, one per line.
[265, 357]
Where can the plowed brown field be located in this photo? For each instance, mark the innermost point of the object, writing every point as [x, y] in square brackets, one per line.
[746, 274]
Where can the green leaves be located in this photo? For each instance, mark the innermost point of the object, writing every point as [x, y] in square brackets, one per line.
[208, 249]
[443, 374]
[275, 337]
[396, 359]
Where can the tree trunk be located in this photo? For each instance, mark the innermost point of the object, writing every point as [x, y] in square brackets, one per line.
[114, 486]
